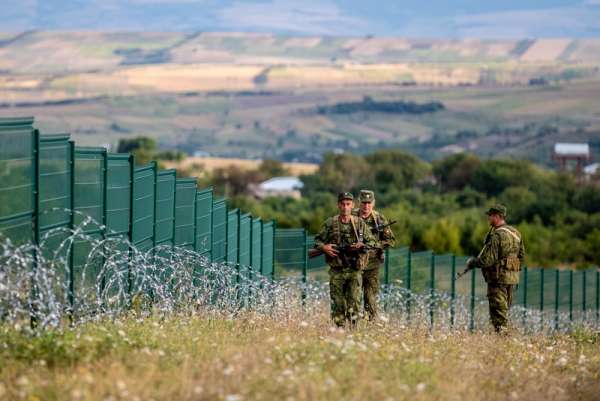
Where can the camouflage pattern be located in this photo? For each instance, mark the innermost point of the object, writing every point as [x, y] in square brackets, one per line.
[502, 255]
[344, 292]
[500, 300]
[371, 282]
[344, 281]
[500, 261]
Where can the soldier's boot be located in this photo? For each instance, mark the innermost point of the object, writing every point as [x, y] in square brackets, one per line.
[370, 292]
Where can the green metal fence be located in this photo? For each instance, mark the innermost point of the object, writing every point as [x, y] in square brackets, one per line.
[552, 291]
[49, 187]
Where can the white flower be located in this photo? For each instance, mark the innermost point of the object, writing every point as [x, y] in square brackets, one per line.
[420, 387]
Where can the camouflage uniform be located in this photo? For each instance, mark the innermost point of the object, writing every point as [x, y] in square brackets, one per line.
[344, 280]
[500, 261]
[386, 239]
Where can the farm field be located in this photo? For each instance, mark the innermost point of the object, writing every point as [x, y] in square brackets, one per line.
[297, 357]
[245, 95]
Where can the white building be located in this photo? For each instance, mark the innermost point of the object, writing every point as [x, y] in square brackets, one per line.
[278, 186]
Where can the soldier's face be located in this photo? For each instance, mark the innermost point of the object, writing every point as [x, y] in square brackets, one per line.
[493, 219]
[366, 208]
[345, 207]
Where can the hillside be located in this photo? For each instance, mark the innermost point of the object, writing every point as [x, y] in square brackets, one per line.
[259, 95]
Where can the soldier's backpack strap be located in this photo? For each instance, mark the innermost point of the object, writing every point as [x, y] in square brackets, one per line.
[355, 220]
[512, 233]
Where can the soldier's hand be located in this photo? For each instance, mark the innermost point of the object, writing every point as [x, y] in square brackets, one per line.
[330, 250]
[471, 262]
[357, 245]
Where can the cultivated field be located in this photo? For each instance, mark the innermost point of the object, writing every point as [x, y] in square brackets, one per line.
[255, 357]
[255, 95]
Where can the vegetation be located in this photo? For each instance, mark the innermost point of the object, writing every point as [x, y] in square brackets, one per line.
[441, 205]
[299, 358]
[370, 105]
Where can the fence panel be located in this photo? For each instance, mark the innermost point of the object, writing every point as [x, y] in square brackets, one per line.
[256, 253]
[143, 198]
[165, 208]
[185, 213]
[233, 235]
[54, 198]
[118, 194]
[289, 252]
[18, 140]
[89, 206]
[245, 244]
[268, 237]
[204, 203]
[219, 232]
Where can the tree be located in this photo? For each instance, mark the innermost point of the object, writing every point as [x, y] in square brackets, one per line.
[455, 172]
[443, 236]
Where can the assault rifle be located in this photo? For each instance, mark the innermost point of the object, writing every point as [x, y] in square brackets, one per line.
[314, 252]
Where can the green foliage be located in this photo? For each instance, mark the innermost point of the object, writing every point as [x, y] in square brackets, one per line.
[441, 206]
[370, 105]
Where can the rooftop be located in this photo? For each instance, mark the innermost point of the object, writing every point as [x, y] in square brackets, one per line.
[572, 149]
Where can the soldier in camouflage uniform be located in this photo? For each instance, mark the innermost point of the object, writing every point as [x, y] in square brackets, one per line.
[500, 261]
[345, 275]
[384, 235]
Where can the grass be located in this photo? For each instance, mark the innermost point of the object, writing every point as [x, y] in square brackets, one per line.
[295, 357]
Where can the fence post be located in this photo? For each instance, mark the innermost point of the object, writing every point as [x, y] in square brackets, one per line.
[273, 252]
[36, 222]
[386, 267]
[525, 287]
[104, 198]
[584, 292]
[597, 295]
[71, 295]
[542, 298]
[304, 265]
[571, 295]
[453, 291]
[472, 317]
[408, 277]
[431, 288]
[556, 297]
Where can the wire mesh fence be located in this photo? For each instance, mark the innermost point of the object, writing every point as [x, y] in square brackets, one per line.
[50, 188]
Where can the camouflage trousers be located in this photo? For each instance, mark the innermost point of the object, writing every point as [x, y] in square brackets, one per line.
[500, 298]
[344, 291]
[370, 285]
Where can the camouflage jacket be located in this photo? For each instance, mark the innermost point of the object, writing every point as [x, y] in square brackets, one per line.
[502, 255]
[338, 233]
[385, 236]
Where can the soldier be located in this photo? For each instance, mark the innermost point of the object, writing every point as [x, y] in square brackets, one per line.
[382, 232]
[500, 261]
[342, 239]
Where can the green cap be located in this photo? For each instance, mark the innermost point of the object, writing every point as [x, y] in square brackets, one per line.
[345, 195]
[497, 209]
[366, 195]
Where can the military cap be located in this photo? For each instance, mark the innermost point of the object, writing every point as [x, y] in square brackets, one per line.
[345, 195]
[366, 195]
[497, 209]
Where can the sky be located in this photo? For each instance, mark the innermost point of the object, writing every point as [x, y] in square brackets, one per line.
[409, 18]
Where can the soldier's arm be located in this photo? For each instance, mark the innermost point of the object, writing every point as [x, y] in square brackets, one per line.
[389, 240]
[490, 253]
[322, 238]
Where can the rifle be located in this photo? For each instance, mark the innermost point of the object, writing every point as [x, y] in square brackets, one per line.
[470, 266]
[342, 249]
[380, 228]
[471, 261]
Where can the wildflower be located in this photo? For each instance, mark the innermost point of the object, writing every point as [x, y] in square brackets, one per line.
[420, 387]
